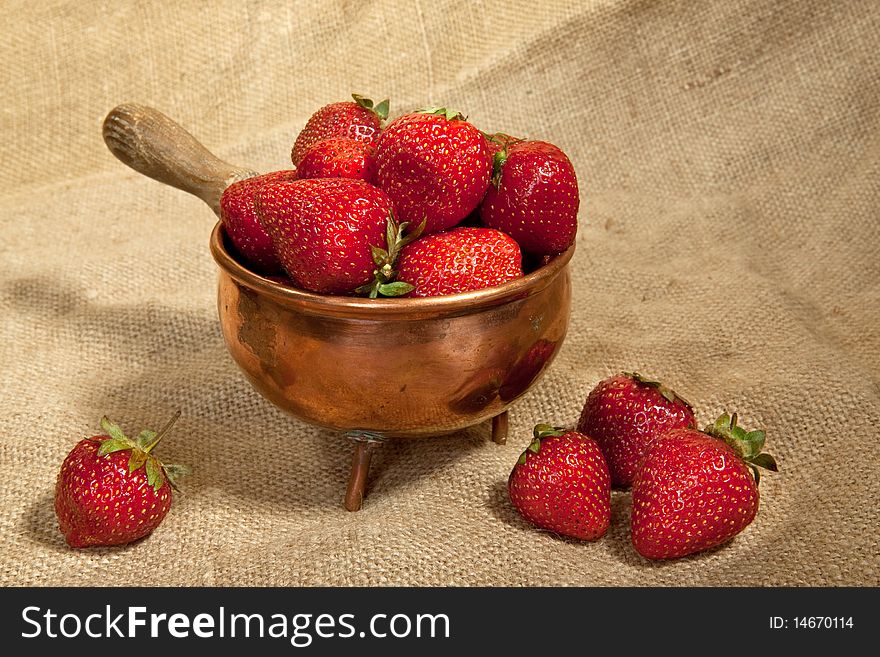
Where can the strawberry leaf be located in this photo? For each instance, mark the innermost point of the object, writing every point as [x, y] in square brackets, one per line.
[145, 437]
[382, 109]
[413, 235]
[371, 289]
[155, 473]
[723, 422]
[363, 101]
[383, 276]
[113, 430]
[392, 230]
[114, 445]
[667, 393]
[174, 472]
[380, 256]
[756, 473]
[451, 115]
[138, 458]
[498, 161]
[752, 442]
[747, 444]
[765, 461]
[547, 431]
[395, 289]
[542, 428]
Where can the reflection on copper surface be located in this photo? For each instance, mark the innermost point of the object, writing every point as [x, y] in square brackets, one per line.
[396, 367]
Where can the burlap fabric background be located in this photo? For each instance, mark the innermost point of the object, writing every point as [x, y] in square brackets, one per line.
[729, 159]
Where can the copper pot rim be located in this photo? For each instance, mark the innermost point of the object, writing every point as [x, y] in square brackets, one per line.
[451, 304]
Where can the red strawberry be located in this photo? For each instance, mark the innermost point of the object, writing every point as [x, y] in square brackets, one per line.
[561, 483]
[339, 158]
[533, 197]
[459, 260]
[693, 490]
[358, 120]
[240, 221]
[625, 414]
[435, 166]
[112, 490]
[324, 230]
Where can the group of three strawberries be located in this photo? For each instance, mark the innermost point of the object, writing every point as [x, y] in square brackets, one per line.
[427, 205]
[692, 490]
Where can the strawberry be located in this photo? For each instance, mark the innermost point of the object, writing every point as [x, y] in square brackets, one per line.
[561, 483]
[693, 490]
[324, 230]
[338, 158]
[113, 490]
[625, 414]
[459, 260]
[533, 197]
[242, 226]
[359, 120]
[435, 166]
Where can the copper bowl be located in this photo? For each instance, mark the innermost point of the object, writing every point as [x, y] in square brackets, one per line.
[370, 368]
[392, 368]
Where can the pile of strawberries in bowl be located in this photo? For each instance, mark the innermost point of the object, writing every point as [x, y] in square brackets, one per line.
[426, 205]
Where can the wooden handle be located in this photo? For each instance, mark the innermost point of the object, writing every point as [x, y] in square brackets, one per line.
[154, 145]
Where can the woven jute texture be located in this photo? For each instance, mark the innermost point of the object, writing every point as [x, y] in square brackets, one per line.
[729, 161]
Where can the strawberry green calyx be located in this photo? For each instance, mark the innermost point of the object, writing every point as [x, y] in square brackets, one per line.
[383, 282]
[747, 444]
[668, 394]
[380, 110]
[141, 448]
[503, 142]
[541, 432]
[498, 161]
[450, 114]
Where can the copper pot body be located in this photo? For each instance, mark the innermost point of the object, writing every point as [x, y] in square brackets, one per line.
[396, 368]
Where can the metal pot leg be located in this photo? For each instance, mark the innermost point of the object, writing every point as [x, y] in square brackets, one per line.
[365, 444]
[499, 428]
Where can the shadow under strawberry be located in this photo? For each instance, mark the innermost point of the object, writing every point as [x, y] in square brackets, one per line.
[501, 508]
[41, 525]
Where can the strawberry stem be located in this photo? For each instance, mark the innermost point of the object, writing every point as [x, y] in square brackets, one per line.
[450, 114]
[500, 158]
[546, 431]
[540, 432]
[383, 281]
[155, 441]
[668, 393]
